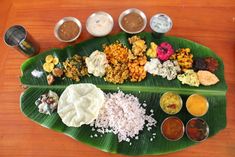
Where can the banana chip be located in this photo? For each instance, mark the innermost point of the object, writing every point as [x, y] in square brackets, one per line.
[55, 60]
[48, 67]
[49, 59]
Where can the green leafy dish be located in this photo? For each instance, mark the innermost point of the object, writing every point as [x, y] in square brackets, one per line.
[149, 91]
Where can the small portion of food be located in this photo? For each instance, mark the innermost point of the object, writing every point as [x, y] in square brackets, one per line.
[75, 67]
[124, 115]
[207, 78]
[171, 103]
[50, 63]
[96, 63]
[50, 66]
[117, 69]
[99, 24]
[172, 128]
[199, 64]
[47, 103]
[132, 22]
[68, 30]
[80, 104]
[189, 78]
[212, 64]
[209, 63]
[161, 23]
[50, 79]
[36, 73]
[152, 51]
[117, 73]
[136, 68]
[197, 129]
[138, 46]
[57, 72]
[116, 53]
[168, 69]
[164, 51]
[184, 58]
[197, 105]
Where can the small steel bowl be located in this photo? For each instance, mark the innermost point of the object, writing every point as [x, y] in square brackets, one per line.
[132, 10]
[94, 14]
[158, 15]
[182, 126]
[207, 130]
[181, 102]
[207, 104]
[60, 22]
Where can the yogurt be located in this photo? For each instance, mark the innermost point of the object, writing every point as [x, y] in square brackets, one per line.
[161, 23]
[99, 24]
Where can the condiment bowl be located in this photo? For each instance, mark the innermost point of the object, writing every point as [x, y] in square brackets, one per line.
[164, 97]
[162, 132]
[207, 105]
[60, 22]
[159, 15]
[109, 17]
[128, 11]
[207, 130]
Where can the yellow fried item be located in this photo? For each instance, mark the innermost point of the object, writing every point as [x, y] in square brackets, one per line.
[55, 60]
[136, 68]
[48, 67]
[138, 45]
[49, 59]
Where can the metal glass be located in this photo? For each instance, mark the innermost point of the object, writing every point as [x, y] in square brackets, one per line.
[17, 37]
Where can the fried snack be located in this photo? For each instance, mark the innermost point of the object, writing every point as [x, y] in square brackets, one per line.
[116, 53]
[117, 73]
[136, 68]
[138, 46]
[50, 63]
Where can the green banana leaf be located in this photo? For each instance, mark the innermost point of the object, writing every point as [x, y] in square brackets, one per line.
[149, 91]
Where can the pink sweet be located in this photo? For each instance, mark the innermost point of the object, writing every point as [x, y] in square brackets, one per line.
[164, 51]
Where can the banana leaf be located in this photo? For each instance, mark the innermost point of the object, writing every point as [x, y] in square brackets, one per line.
[149, 91]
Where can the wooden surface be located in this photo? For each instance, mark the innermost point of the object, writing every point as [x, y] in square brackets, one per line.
[211, 23]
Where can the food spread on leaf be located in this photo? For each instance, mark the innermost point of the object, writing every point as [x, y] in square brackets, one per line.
[116, 63]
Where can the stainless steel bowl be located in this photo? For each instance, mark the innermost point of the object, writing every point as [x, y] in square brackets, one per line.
[162, 15]
[207, 130]
[99, 13]
[132, 10]
[167, 137]
[60, 22]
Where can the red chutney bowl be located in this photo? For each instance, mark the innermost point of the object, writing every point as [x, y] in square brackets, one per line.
[172, 128]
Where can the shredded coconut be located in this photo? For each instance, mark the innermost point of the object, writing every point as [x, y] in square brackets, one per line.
[122, 114]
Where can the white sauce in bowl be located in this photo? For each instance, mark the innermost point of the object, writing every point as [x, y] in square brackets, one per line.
[161, 23]
[99, 24]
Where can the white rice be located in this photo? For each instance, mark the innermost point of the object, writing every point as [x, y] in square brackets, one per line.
[122, 114]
